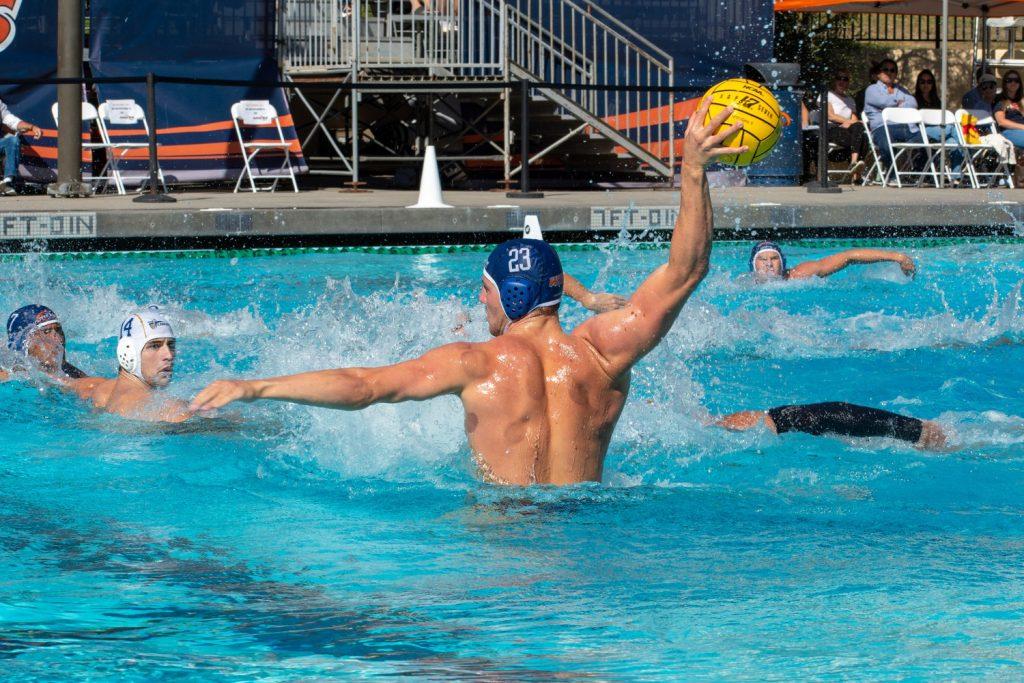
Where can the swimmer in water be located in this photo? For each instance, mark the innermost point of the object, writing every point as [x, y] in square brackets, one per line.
[540, 404]
[145, 354]
[767, 262]
[840, 419]
[35, 333]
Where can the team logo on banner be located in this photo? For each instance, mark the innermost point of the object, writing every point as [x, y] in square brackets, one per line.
[8, 15]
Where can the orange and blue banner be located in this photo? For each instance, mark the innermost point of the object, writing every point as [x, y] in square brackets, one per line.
[28, 50]
[188, 39]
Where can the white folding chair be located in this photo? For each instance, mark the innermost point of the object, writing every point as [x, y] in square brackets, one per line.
[114, 116]
[903, 152]
[875, 173]
[983, 154]
[937, 117]
[251, 115]
[89, 116]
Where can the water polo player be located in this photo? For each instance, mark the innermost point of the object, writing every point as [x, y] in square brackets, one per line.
[35, 333]
[768, 262]
[540, 404]
[840, 419]
[145, 356]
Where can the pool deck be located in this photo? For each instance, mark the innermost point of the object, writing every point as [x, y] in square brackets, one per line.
[329, 217]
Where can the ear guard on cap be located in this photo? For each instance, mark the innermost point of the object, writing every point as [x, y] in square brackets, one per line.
[127, 356]
[517, 296]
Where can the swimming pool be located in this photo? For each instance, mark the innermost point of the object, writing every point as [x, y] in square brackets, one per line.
[305, 543]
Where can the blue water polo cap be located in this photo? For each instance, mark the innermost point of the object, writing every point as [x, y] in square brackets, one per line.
[25, 321]
[527, 274]
[767, 246]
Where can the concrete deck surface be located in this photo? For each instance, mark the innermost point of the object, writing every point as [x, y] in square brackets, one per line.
[204, 218]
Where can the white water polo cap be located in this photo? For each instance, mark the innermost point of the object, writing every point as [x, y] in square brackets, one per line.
[136, 331]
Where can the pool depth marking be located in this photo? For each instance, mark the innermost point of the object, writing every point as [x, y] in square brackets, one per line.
[19, 226]
[633, 217]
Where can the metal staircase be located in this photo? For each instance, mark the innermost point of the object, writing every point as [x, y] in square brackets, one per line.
[579, 43]
[598, 72]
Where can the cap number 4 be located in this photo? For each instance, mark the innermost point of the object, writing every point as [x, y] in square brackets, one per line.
[519, 259]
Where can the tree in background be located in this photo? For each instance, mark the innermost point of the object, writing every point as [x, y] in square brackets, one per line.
[813, 41]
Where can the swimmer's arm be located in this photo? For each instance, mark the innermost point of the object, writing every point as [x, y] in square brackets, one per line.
[836, 262]
[598, 302]
[4, 375]
[625, 336]
[83, 387]
[744, 420]
[445, 370]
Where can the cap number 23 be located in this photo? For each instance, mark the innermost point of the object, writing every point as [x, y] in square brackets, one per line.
[518, 259]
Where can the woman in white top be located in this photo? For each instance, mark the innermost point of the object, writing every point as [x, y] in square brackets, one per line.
[845, 128]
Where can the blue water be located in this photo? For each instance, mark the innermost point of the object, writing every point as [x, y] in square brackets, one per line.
[298, 543]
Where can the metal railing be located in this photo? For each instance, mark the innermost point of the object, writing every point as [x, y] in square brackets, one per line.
[578, 42]
[572, 42]
[460, 37]
[882, 28]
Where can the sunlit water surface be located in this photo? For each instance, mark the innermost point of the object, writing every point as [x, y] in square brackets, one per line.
[301, 543]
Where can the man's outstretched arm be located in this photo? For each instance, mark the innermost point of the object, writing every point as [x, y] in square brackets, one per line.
[598, 302]
[836, 262]
[444, 370]
[623, 337]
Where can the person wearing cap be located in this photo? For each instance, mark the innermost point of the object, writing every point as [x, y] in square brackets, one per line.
[540, 403]
[982, 97]
[35, 333]
[145, 355]
[886, 93]
[768, 262]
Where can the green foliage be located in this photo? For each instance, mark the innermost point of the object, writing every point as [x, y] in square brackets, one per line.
[813, 42]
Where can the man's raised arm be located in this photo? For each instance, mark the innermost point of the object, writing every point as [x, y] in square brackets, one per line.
[623, 337]
[444, 370]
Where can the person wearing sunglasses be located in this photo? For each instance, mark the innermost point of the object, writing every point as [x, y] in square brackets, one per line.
[1009, 115]
[925, 92]
[886, 93]
[927, 97]
[844, 126]
[983, 96]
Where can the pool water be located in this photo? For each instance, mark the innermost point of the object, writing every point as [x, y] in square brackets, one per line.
[299, 543]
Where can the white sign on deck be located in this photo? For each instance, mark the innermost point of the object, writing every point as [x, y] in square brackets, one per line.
[20, 226]
[633, 217]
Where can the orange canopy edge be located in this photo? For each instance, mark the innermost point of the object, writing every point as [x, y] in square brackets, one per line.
[957, 8]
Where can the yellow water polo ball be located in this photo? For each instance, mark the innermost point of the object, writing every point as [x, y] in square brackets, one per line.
[759, 111]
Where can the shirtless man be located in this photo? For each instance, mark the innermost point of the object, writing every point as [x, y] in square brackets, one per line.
[145, 353]
[35, 332]
[767, 262]
[540, 404]
[840, 419]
